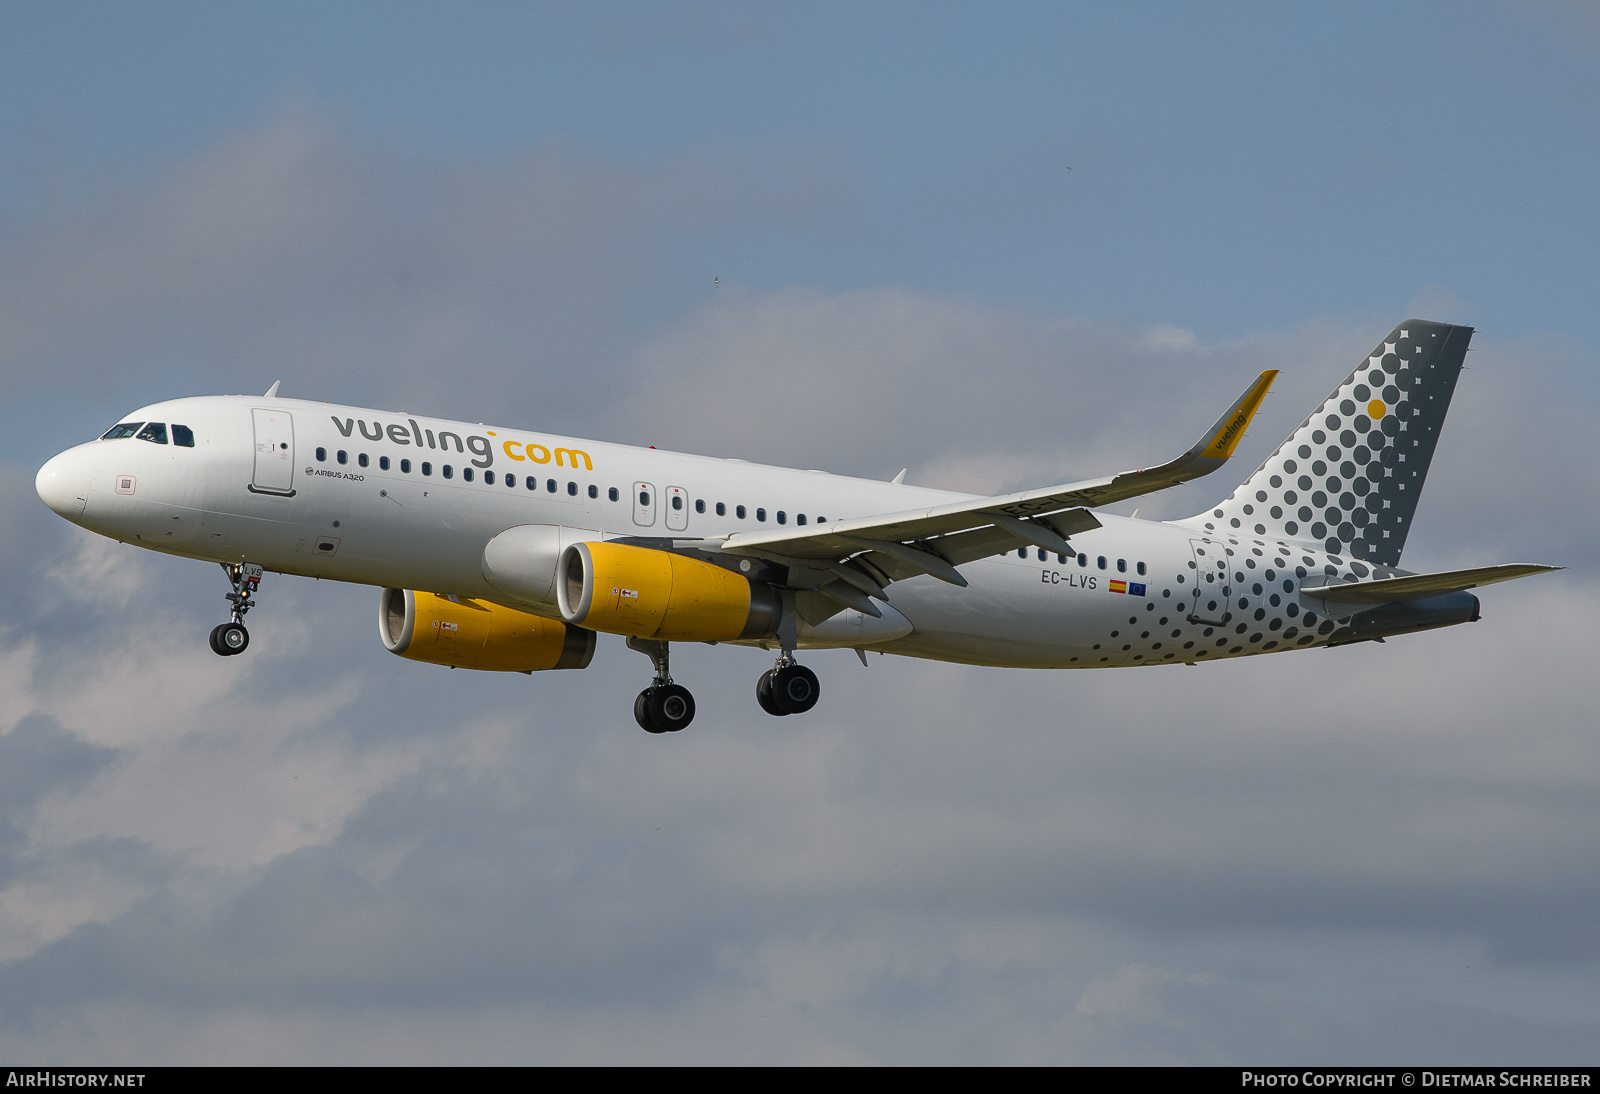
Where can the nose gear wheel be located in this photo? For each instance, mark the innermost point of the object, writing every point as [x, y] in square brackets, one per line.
[228, 639]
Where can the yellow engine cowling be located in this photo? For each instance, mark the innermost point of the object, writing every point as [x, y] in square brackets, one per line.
[475, 634]
[647, 593]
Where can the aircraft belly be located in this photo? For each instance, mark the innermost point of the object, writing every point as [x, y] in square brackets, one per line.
[1053, 613]
[1009, 614]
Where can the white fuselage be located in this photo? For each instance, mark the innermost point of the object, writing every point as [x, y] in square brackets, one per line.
[322, 491]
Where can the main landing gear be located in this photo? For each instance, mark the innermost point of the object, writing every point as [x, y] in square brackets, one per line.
[787, 688]
[230, 638]
[663, 707]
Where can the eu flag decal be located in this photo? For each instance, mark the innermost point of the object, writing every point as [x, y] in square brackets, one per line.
[1135, 589]
[1119, 586]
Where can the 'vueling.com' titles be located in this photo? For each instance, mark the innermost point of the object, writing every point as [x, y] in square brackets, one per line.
[481, 447]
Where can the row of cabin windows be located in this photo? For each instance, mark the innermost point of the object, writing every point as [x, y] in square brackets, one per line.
[739, 511]
[154, 432]
[467, 473]
[1101, 562]
[551, 486]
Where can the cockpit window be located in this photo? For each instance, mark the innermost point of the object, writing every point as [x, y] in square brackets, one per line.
[117, 432]
[182, 436]
[155, 433]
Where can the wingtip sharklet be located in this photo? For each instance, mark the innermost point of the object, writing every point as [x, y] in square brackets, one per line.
[1224, 436]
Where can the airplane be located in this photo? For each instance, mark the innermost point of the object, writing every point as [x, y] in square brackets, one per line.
[511, 550]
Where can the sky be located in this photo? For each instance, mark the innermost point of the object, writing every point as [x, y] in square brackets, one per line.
[1001, 245]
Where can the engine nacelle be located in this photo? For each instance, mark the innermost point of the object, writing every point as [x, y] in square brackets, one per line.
[474, 634]
[646, 593]
[521, 563]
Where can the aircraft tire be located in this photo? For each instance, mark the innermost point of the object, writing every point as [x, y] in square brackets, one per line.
[670, 706]
[795, 689]
[228, 639]
[764, 695]
[641, 713]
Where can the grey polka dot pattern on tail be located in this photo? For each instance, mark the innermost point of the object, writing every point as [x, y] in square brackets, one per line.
[1347, 480]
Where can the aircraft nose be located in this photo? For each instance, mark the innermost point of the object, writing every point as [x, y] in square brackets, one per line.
[63, 483]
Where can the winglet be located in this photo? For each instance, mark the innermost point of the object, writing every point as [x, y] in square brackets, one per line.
[273, 390]
[1223, 437]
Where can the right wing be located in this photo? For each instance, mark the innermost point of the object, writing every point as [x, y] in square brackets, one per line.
[848, 558]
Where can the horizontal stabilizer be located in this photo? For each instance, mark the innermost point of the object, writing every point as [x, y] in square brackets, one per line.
[1391, 590]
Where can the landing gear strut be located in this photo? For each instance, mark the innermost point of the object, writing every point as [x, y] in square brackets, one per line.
[663, 707]
[230, 638]
[787, 688]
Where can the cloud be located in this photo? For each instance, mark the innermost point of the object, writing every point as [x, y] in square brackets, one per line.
[322, 852]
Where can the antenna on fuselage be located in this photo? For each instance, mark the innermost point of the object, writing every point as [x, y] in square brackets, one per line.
[273, 390]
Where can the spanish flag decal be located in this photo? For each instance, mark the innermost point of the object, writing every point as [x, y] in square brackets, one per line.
[1119, 586]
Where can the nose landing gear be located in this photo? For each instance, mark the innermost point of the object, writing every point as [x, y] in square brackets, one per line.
[787, 688]
[663, 707]
[230, 638]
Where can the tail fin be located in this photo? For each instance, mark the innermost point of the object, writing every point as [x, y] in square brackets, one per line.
[1348, 479]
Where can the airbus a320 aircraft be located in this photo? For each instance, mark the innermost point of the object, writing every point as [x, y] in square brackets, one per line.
[509, 549]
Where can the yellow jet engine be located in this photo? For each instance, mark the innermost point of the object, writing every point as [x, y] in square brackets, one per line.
[475, 634]
[646, 593]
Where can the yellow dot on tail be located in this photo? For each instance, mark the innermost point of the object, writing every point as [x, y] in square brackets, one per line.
[1376, 409]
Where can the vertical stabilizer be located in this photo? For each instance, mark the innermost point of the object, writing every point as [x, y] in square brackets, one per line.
[1349, 477]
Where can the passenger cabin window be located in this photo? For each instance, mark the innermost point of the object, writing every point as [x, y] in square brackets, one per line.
[677, 502]
[118, 432]
[572, 489]
[488, 478]
[182, 436]
[1122, 565]
[800, 518]
[322, 455]
[738, 511]
[550, 486]
[155, 433]
[427, 468]
[447, 471]
[341, 457]
[1083, 560]
[1140, 568]
[644, 497]
[1022, 552]
[533, 483]
[362, 459]
[722, 510]
[613, 495]
[594, 491]
[1101, 562]
[783, 518]
[405, 467]
[699, 505]
[761, 514]
[466, 473]
[383, 463]
[1042, 556]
